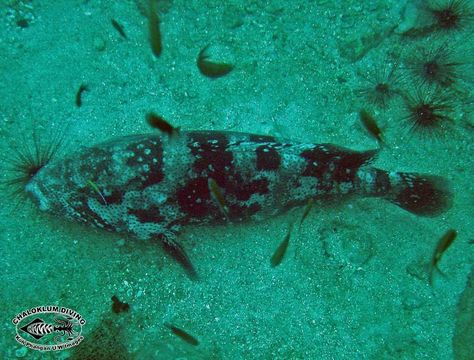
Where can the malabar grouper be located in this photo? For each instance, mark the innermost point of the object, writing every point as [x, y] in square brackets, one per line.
[151, 186]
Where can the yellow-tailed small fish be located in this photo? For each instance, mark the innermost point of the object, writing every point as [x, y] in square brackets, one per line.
[118, 306]
[158, 122]
[96, 189]
[209, 68]
[443, 244]
[280, 252]
[119, 27]
[154, 28]
[79, 92]
[218, 197]
[183, 334]
[371, 126]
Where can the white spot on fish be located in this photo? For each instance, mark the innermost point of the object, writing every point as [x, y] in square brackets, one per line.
[345, 187]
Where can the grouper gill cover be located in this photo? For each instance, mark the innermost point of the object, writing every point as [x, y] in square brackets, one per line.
[150, 186]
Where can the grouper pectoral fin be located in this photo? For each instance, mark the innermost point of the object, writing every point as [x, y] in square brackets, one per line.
[177, 252]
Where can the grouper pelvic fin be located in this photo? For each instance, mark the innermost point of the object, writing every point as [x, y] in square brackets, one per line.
[177, 252]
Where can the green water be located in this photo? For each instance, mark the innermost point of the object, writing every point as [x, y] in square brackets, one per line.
[353, 283]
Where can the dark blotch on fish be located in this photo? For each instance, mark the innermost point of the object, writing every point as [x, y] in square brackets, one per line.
[213, 155]
[183, 334]
[188, 194]
[346, 162]
[267, 158]
[150, 215]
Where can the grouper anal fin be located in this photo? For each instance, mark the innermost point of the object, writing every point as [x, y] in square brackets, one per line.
[177, 252]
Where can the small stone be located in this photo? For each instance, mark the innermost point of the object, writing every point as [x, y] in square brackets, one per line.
[99, 43]
[358, 251]
[418, 269]
[352, 49]
[233, 17]
[412, 302]
[409, 19]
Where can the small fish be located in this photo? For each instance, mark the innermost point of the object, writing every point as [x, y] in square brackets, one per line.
[307, 209]
[79, 92]
[119, 28]
[371, 126]
[96, 189]
[157, 122]
[183, 334]
[154, 28]
[118, 306]
[281, 250]
[443, 244]
[212, 69]
[216, 193]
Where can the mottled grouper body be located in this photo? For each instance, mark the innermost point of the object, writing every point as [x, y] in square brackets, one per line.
[151, 186]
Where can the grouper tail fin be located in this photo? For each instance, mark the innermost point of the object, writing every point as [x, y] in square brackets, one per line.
[423, 195]
[420, 194]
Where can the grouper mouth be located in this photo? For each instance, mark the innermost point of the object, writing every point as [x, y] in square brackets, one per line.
[34, 193]
[26, 162]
